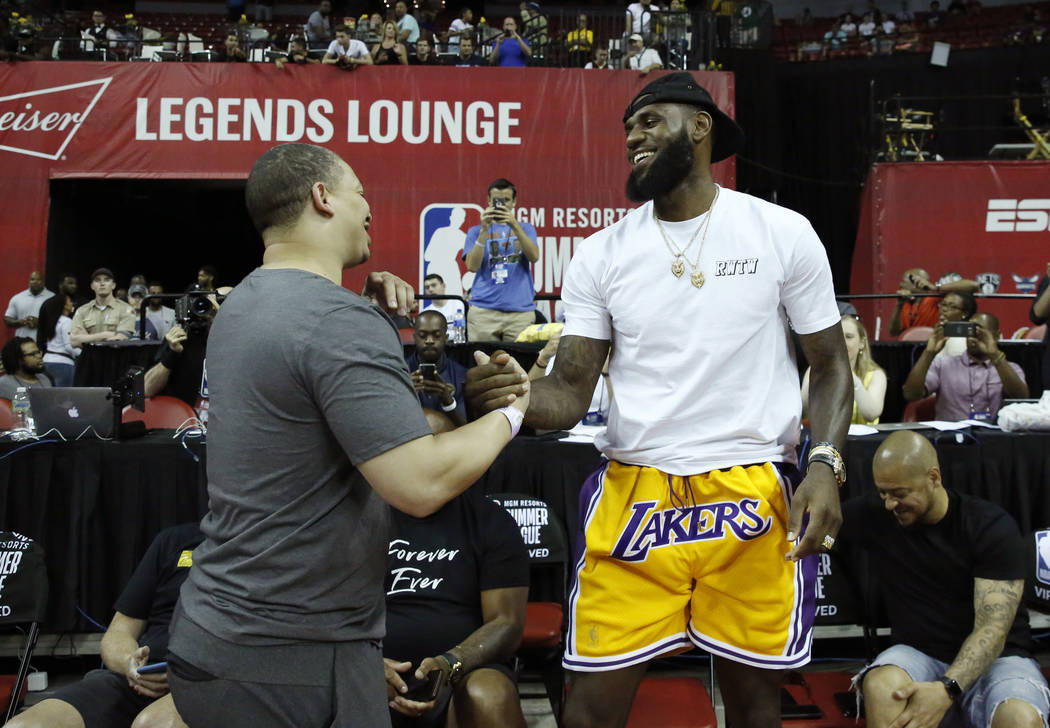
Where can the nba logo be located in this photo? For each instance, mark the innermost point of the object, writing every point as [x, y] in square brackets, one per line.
[442, 232]
[989, 282]
[1042, 556]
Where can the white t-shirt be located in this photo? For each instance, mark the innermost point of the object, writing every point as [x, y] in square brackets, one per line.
[59, 350]
[590, 65]
[866, 29]
[889, 27]
[644, 59]
[446, 308]
[357, 49]
[457, 24]
[848, 28]
[641, 17]
[26, 304]
[703, 378]
[162, 320]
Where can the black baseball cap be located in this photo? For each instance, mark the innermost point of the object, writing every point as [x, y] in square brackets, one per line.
[102, 272]
[682, 88]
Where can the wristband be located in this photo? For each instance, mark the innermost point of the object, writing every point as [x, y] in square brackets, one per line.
[827, 453]
[169, 357]
[514, 416]
[449, 407]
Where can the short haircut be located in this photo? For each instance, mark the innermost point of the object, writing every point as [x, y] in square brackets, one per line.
[504, 184]
[969, 303]
[278, 188]
[68, 275]
[464, 10]
[158, 284]
[432, 312]
[11, 355]
[342, 29]
[210, 270]
[428, 276]
[232, 34]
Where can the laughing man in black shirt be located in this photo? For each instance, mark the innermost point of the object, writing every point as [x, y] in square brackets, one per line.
[951, 571]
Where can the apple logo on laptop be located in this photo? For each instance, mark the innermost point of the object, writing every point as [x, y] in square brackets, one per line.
[73, 412]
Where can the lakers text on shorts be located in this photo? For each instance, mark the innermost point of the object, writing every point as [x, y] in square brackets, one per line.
[666, 561]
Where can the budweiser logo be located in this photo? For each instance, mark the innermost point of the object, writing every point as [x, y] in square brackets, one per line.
[42, 123]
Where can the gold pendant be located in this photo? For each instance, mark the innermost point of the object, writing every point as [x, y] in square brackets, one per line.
[697, 278]
[677, 268]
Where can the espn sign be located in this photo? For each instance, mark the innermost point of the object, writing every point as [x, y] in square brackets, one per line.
[1022, 216]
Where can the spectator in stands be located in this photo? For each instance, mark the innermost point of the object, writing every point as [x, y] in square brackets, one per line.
[136, 295]
[319, 26]
[24, 307]
[510, 48]
[499, 251]
[407, 27]
[467, 56]
[98, 27]
[106, 318]
[869, 379]
[389, 51]
[52, 338]
[373, 29]
[970, 386]
[907, 36]
[434, 285]
[848, 26]
[468, 624]
[163, 317]
[888, 27]
[935, 16]
[806, 19]
[118, 696]
[297, 54]
[438, 380]
[68, 286]
[1039, 315]
[950, 568]
[534, 27]
[834, 37]
[425, 54]
[600, 58]
[905, 14]
[640, 58]
[866, 29]
[956, 306]
[579, 42]
[346, 52]
[460, 28]
[23, 367]
[911, 310]
[639, 18]
[207, 277]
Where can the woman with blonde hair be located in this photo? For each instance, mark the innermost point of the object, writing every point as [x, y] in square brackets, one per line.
[388, 51]
[869, 379]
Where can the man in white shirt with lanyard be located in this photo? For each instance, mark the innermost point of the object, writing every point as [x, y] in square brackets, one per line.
[699, 530]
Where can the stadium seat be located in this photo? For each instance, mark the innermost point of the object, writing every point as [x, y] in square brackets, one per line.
[921, 410]
[1036, 332]
[916, 333]
[672, 702]
[162, 412]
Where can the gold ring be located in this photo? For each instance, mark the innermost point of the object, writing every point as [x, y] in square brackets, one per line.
[828, 543]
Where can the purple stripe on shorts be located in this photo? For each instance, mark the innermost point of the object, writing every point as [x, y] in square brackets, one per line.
[805, 577]
[746, 657]
[587, 503]
[613, 663]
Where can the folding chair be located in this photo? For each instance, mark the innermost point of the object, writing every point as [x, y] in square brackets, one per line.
[162, 412]
[548, 548]
[23, 599]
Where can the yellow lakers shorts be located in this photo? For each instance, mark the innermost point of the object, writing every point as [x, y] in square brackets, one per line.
[666, 562]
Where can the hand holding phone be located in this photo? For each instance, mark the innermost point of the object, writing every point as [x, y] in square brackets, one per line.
[429, 371]
[425, 690]
[960, 329]
[152, 667]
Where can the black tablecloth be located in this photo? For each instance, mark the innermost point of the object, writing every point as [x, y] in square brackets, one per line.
[95, 506]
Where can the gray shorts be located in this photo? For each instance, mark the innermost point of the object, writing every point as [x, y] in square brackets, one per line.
[1016, 678]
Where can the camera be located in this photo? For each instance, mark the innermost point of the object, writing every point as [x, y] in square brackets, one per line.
[193, 311]
[960, 328]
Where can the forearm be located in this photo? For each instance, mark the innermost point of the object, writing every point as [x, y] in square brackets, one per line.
[976, 655]
[961, 286]
[869, 405]
[78, 340]
[556, 404]
[156, 379]
[830, 403]
[494, 641]
[1040, 308]
[477, 254]
[13, 322]
[525, 48]
[915, 385]
[1013, 386]
[117, 647]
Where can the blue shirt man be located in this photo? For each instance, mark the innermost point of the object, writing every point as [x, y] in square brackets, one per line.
[510, 48]
[438, 380]
[499, 251]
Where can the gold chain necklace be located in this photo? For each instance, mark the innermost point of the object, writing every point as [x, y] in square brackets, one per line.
[677, 266]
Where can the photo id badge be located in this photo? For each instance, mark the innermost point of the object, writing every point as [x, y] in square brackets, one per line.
[499, 274]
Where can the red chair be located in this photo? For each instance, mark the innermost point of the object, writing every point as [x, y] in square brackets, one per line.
[672, 702]
[7, 417]
[1036, 332]
[921, 410]
[916, 333]
[162, 412]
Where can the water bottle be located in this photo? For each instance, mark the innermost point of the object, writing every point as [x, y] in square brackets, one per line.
[22, 411]
[459, 325]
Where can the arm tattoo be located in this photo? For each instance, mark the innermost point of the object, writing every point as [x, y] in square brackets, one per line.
[560, 400]
[830, 385]
[995, 605]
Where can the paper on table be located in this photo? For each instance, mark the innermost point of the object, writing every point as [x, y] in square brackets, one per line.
[863, 430]
[960, 425]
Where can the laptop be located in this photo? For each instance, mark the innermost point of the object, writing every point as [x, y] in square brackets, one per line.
[72, 411]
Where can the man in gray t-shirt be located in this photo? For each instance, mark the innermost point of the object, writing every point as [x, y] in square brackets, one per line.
[313, 422]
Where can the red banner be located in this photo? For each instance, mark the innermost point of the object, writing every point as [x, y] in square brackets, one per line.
[986, 221]
[425, 142]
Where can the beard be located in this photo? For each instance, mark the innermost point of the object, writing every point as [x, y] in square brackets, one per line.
[666, 171]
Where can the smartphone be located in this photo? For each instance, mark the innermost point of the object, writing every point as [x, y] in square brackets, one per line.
[427, 689]
[152, 667]
[960, 328]
[429, 371]
[498, 202]
[506, 33]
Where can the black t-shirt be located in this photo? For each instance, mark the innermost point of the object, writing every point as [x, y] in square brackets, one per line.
[926, 573]
[153, 589]
[185, 379]
[437, 568]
